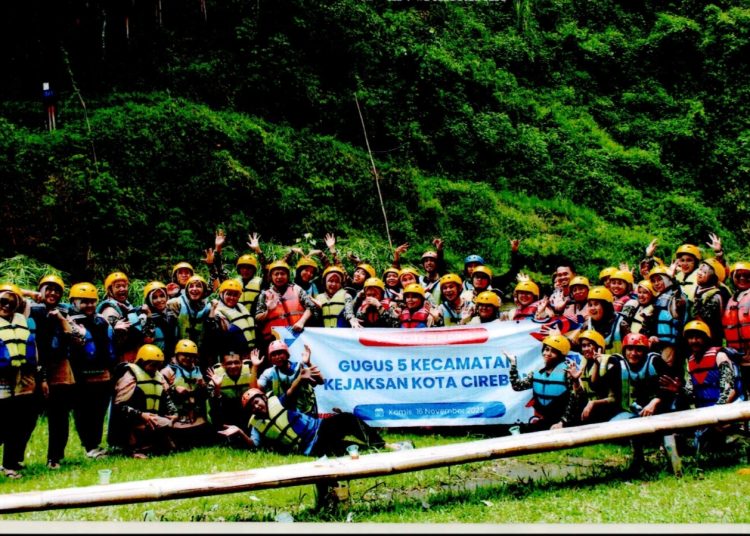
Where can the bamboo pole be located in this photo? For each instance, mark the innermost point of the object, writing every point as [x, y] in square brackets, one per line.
[369, 465]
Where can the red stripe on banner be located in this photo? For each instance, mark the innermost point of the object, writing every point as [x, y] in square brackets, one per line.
[427, 337]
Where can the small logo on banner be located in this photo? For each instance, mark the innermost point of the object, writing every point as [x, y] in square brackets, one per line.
[426, 337]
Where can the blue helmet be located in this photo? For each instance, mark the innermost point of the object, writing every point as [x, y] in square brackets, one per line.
[473, 258]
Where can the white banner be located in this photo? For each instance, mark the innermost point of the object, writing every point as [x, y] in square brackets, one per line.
[422, 377]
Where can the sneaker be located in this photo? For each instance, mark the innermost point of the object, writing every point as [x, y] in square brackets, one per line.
[53, 465]
[10, 473]
[96, 453]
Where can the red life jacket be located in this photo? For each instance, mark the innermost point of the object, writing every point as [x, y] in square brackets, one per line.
[736, 321]
[417, 319]
[620, 302]
[286, 313]
[705, 375]
[529, 311]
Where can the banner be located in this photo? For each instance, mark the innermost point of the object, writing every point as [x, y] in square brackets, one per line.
[449, 376]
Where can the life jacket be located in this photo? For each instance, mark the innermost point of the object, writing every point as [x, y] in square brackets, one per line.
[51, 340]
[550, 390]
[190, 322]
[97, 353]
[639, 318]
[240, 320]
[250, 291]
[688, 283]
[620, 302]
[736, 321]
[417, 319]
[164, 335]
[305, 395]
[234, 388]
[451, 317]
[668, 328]
[185, 378]
[151, 387]
[704, 374]
[123, 309]
[631, 379]
[589, 387]
[286, 313]
[17, 343]
[333, 309]
[529, 311]
[276, 427]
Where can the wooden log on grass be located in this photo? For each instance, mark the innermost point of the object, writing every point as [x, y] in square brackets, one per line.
[369, 465]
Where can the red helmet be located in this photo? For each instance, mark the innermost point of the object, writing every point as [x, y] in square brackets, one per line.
[635, 339]
[276, 346]
[248, 395]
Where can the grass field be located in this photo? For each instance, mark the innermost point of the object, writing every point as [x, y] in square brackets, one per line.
[582, 485]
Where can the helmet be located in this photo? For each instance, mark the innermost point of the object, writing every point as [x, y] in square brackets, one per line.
[248, 395]
[408, 270]
[450, 278]
[186, 346]
[367, 268]
[198, 279]
[333, 269]
[247, 260]
[690, 249]
[717, 267]
[389, 270]
[230, 284]
[739, 265]
[306, 261]
[114, 276]
[607, 272]
[697, 325]
[527, 286]
[579, 280]
[473, 258]
[486, 270]
[645, 283]
[414, 288]
[85, 291]
[278, 345]
[375, 282]
[635, 339]
[429, 255]
[594, 336]
[601, 293]
[625, 275]
[149, 352]
[152, 286]
[558, 342]
[659, 269]
[11, 287]
[56, 280]
[180, 265]
[279, 264]
[488, 298]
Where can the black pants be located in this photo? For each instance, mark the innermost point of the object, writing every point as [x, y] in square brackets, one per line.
[334, 429]
[22, 414]
[92, 401]
[59, 406]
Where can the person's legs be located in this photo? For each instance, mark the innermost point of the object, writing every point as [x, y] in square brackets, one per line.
[59, 405]
[336, 427]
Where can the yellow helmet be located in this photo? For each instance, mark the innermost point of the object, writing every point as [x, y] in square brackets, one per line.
[690, 249]
[12, 287]
[152, 286]
[645, 283]
[527, 286]
[195, 278]
[85, 291]
[408, 270]
[414, 288]
[606, 273]
[334, 269]
[450, 278]
[186, 346]
[279, 264]
[482, 269]
[660, 269]
[306, 261]
[182, 265]
[594, 336]
[624, 275]
[247, 260]
[230, 284]
[601, 293]
[51, 278]
[375, 282]
[115, 276]
[367, 268]
[739, 265]
[558, 342]
[579, 280]
[488, 298]
[697, 325]
[149, 352]
[390, 269]
[717, 267]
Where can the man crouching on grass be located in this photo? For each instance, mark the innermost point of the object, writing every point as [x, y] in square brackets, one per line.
[289, 430]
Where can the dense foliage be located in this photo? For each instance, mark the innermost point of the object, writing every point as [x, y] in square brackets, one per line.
[587, 128]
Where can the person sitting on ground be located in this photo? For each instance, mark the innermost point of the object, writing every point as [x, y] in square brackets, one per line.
[142, 410]
[227, 381]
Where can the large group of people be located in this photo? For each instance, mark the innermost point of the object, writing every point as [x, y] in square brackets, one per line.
[198, 361]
